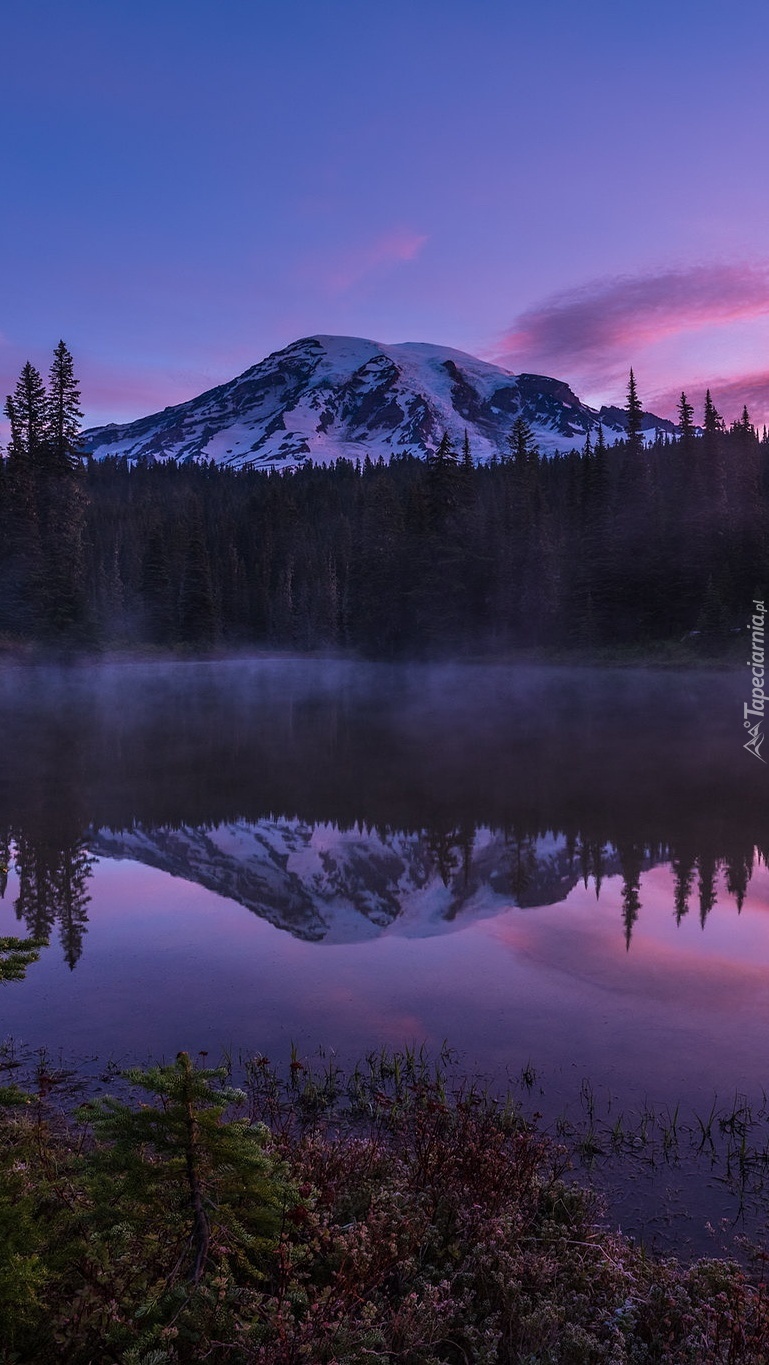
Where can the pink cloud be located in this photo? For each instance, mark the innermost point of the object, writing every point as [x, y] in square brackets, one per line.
[591, 334]
[390, 248]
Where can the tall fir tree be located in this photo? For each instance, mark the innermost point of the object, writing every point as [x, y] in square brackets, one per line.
[16, 443]
[22, 570]
[634, 413]
[713, 422]
[523, 450]
[713, 483]
[63, 414]
[26, 411]
[442, 471]
[685, 421]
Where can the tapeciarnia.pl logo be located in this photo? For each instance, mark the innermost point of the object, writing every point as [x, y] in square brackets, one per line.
[755, 708]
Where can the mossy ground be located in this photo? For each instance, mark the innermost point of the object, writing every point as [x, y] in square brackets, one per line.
[329, 1218]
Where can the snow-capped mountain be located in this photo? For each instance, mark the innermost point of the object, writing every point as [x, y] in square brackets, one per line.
[326, 397]
[325, 884]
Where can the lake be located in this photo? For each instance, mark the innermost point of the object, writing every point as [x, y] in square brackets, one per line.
[559, 871]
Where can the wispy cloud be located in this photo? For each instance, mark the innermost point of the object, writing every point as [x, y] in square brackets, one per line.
[591, 335]
[343, 272]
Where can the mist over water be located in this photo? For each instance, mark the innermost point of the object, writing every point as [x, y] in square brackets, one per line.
[203, 742]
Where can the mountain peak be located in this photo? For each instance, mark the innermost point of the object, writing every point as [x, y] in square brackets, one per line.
[323, 397]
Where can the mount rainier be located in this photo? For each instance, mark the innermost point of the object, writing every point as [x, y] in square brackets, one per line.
[325, 884]
[325, 397]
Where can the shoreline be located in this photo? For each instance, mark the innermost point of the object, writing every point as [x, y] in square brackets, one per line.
[326, 1215]
[699, 1178]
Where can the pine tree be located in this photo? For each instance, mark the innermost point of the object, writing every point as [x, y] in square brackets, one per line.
[713, 421]
[219, 1194]
[739, 869]
[634, 413]
[523, 449]
[442, 472]
[685, 420]
[745, 425]
[44, 566]
[16, 448]
[445, 456]
[27, 412]
[706, 885]
[467, 480]
[22, 570]
[63, 415]
[73, 873]
[16, 954]
[683, 869]
[63, 521]
[630, 862]
[713, 511]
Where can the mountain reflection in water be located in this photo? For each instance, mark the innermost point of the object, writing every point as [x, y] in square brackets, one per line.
[341, 800]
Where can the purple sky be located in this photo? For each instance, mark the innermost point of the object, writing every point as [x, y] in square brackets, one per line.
[566, 188]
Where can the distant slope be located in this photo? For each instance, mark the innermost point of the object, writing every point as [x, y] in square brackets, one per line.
[325, 397]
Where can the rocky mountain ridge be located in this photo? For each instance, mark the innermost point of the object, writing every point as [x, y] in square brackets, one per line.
[326, 397]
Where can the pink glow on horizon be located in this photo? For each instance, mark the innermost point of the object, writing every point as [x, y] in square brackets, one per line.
[729, 395]
[681, 963]
[126, 393]
[658, 323]
[118, 393]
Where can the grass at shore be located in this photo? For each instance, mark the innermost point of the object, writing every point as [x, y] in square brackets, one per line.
[377, 1216]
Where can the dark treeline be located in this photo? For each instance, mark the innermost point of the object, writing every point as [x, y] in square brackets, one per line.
[627, 545]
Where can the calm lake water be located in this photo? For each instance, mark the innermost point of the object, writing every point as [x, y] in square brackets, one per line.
[547, 866]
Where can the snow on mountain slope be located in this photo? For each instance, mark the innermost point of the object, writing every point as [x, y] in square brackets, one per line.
[328, 885]
[324, 397]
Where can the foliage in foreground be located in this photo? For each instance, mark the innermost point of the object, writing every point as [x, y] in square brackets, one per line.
[16, 954]
[373, 1218]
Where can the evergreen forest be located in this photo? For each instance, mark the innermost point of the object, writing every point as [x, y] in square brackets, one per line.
[620, 547]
